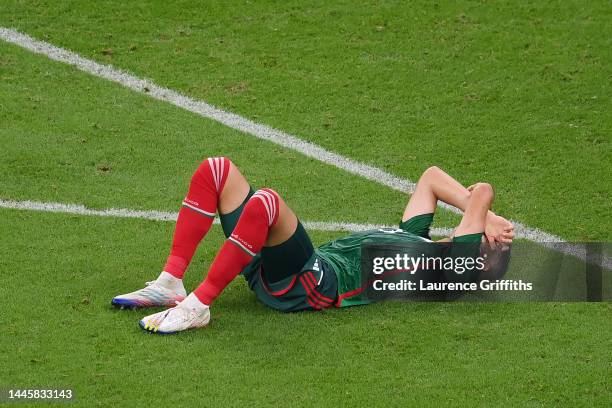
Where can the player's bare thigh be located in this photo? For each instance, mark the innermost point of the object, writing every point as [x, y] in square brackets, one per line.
[285, 226]
[234, 192]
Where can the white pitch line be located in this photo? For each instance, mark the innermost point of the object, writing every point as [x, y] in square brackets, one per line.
[234, 121]
[576, 250]
[78, 209]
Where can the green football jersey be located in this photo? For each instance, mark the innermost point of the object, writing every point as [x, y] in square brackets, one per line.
[343, 258]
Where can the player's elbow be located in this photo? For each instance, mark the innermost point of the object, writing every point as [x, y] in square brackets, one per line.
[483, 192]
[431, 173]
[433, 169]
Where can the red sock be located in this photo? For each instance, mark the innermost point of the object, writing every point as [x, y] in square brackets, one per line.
[197, 213]
[259, 215]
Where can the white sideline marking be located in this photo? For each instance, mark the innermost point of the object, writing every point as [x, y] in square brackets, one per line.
[576, 250]
[171, 216]
[201, 108]
[237, 122]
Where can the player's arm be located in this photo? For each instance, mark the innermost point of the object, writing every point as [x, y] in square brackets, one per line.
[497, 228]
[476, 212]
[435, 184]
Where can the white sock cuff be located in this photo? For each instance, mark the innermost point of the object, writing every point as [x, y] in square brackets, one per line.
[192, 302]
[168, 277]
[171, 282]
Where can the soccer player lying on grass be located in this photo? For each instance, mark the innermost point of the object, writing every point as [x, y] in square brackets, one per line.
[268, 245]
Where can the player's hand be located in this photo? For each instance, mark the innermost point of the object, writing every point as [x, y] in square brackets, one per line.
[498, 229]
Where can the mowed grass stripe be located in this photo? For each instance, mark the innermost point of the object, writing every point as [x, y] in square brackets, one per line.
[206, 110]
[69, 137]
[507, 93]
[234, 121]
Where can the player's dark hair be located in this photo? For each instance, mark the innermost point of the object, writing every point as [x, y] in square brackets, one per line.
[497, 261]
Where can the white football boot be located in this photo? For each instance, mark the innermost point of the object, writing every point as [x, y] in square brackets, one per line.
[166, 291]
[188, 314]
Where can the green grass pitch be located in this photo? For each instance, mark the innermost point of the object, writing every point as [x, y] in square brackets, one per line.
[518, 95]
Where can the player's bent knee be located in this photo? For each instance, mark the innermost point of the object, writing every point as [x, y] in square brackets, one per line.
[208, 159]
[269, 200]
[213, 171]
[215, 165]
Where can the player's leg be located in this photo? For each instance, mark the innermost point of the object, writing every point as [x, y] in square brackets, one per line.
[216, 185]
[265, 221]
